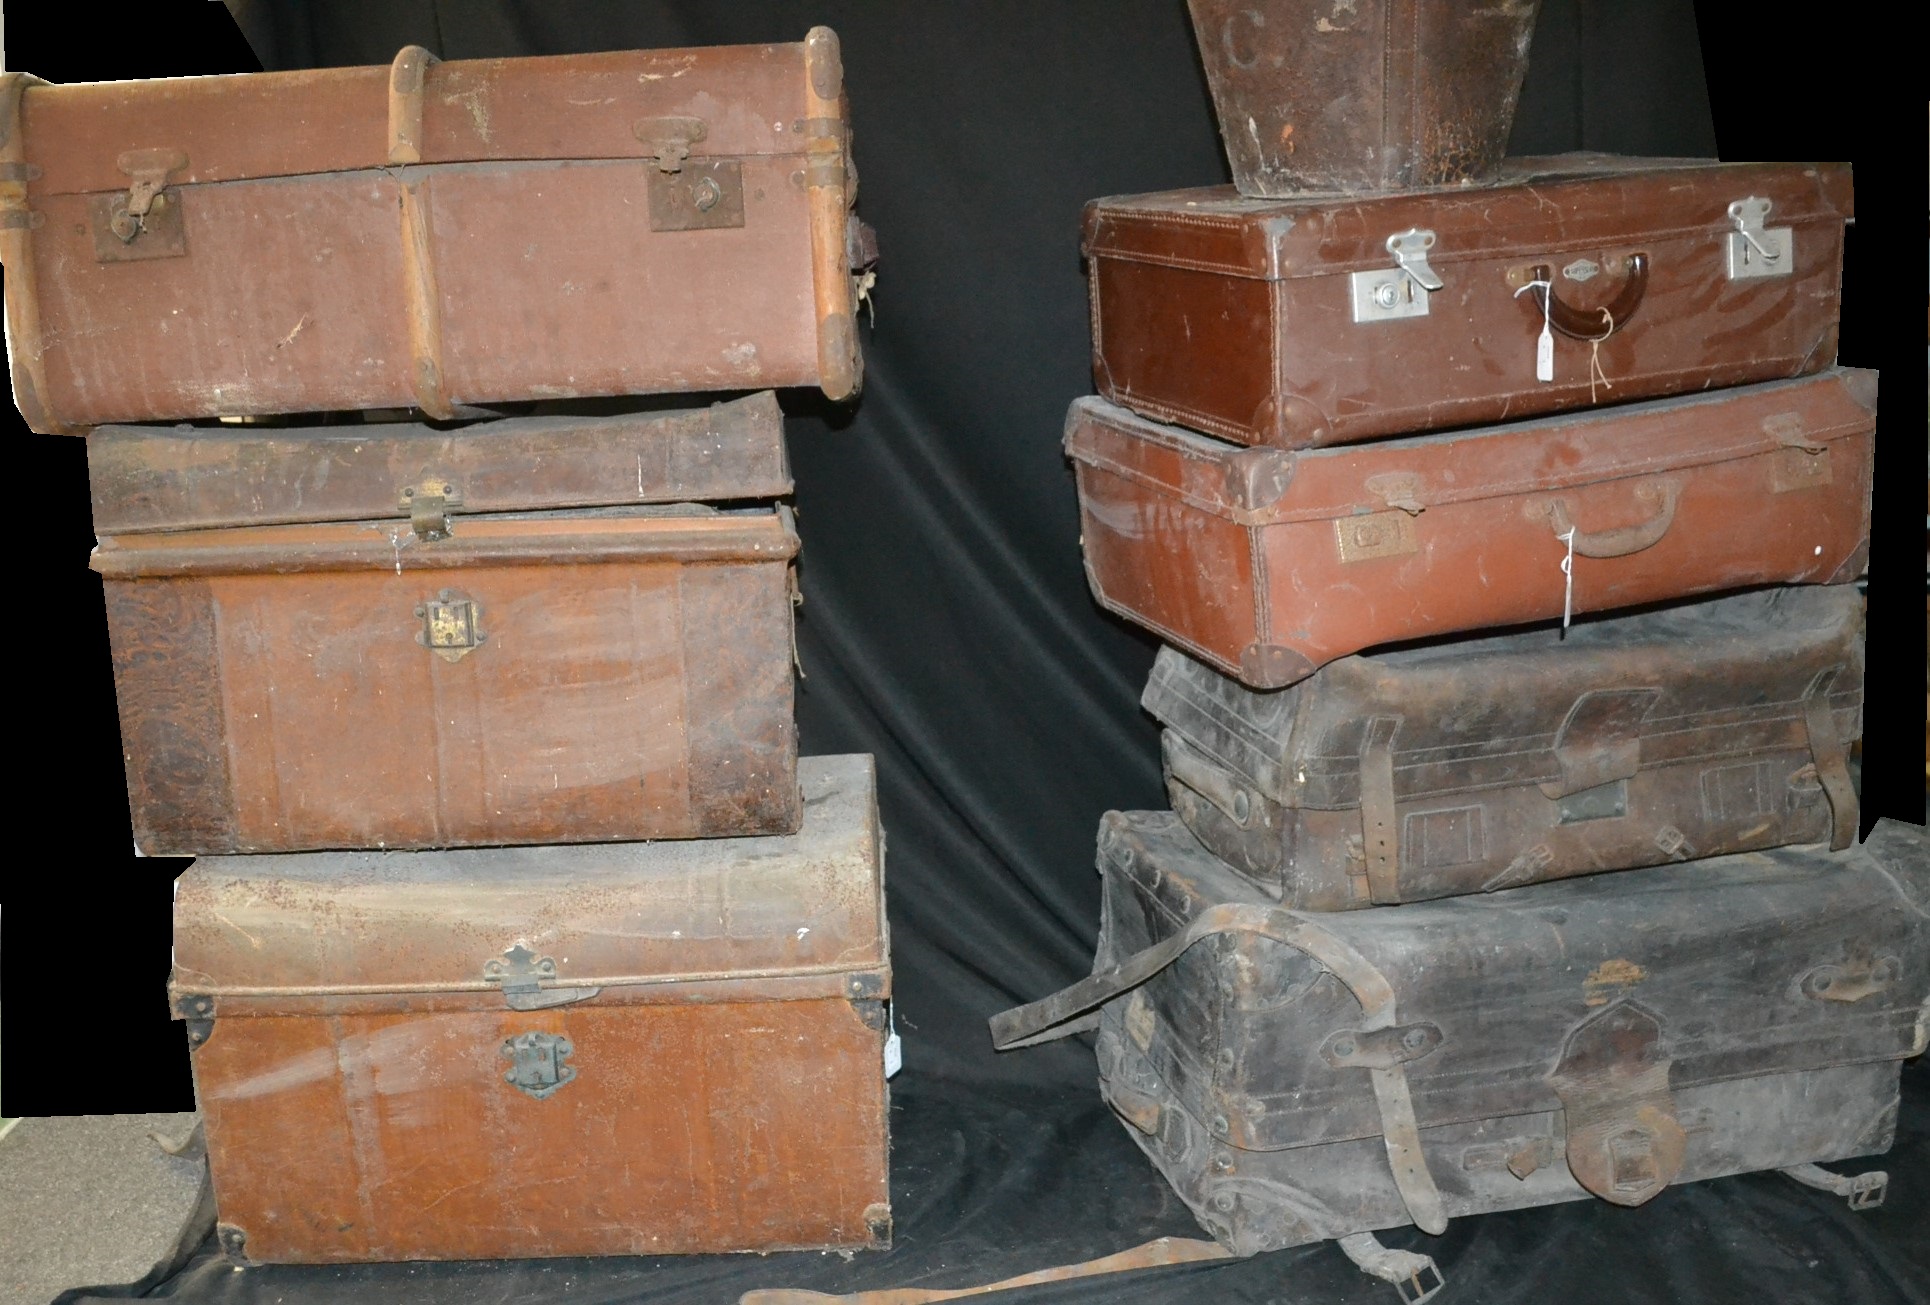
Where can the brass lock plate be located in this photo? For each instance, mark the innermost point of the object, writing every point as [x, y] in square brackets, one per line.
[162, 233]
[1375, 534]
[451, 625]
[700, 196]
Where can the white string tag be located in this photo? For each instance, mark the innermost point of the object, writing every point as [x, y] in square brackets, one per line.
[1545, 343]
[1568, 578]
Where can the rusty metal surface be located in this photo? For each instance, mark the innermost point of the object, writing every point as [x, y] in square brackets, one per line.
[1242, 557]
[1233, 316]
[1362, 95]
[1492, 782]
[534, 678]
[319, 269]
[189, 478]
[720, 1000]
[1216, 1064]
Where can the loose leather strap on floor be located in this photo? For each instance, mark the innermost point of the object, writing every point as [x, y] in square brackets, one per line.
[1826, 750]
[1149, 1255]
[1050, 1018]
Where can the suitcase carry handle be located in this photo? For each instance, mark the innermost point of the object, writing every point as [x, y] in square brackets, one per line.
[1623, 540]
[1058, 1015]
[1592, 324]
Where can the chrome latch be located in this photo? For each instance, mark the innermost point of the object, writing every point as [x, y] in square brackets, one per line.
[1754, 250]
[536, 1065]
[428, 506]
[451, 625]
[1383, 294]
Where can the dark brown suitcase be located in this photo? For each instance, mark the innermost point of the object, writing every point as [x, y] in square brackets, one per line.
[537, 677]
[633, 1049]
[1268, 564]
[1483, 764]
[201, 477]
[1299, 1077]
[1325, 321]
[430, 234]
[1363, 95]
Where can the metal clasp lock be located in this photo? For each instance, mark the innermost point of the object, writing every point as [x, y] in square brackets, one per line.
[520, 974]
[668, 140]
[149, 171]
[145, 222]
[536, 1063]
[1384, 294]
[1753, 250]
[428, 507]
[451, 625]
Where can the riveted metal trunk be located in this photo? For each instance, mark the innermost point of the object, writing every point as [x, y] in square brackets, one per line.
[1604, 1036]
[1331, 320]
[429, 234]
[596, 1050]
[1475, 765]
[1359, 95]
[1267, 564]
[536, 677]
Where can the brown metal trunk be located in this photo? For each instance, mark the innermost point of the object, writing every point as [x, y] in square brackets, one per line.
[614, 1050]
[200, 477]
[429, 234]
[1480, 764]
[1294, 323]
[1359, 95]
[542, 677]
[1267, 564]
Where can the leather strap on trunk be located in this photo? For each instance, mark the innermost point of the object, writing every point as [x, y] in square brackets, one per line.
[1380, 836]
[1054, 1016]
[1827, 751]
[1148, 1255]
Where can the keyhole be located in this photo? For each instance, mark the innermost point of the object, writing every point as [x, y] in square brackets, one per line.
[705, 195]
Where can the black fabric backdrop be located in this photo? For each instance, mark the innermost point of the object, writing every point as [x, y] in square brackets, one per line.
[947, 627]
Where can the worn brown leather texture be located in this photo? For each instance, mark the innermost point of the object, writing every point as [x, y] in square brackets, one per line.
[721, 1088]
[431, 235]
[1369, 95]
[197, 477]
[632, 679]
[1235, 316]
[1268, 564]
[1778, 992]
[1634, 740]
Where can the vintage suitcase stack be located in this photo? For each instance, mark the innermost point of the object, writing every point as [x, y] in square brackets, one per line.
[417, 685]
[1499, 519]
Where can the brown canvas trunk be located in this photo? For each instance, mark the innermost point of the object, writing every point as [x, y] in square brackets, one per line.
[429, 234]
[1267, 564]
[541, 677]
[615, 1050]
[1376, 95]
[199, 477]
[1470, 766]
[1312, 321]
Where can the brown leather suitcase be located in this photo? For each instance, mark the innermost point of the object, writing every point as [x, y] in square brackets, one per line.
[145, 478]
[1330, 320]
[631, 1049]
[1479, 764]
[536, 677]
[1366, 95]
[1298, 1076]
[1268, 564]
[430, 234]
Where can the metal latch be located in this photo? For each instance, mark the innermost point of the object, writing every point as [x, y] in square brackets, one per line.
[536, 1065]
[1851, 982]
[1383, 294]
[145, 222]
[451, 625]
[1624, 1142]
[668, 140]
[1755, 251]
[520, 973]
[428, 507]
[1379, 1048]
[705, 195]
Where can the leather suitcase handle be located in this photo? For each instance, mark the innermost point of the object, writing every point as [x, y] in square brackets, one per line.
[1594, 323]
[1623, 540]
